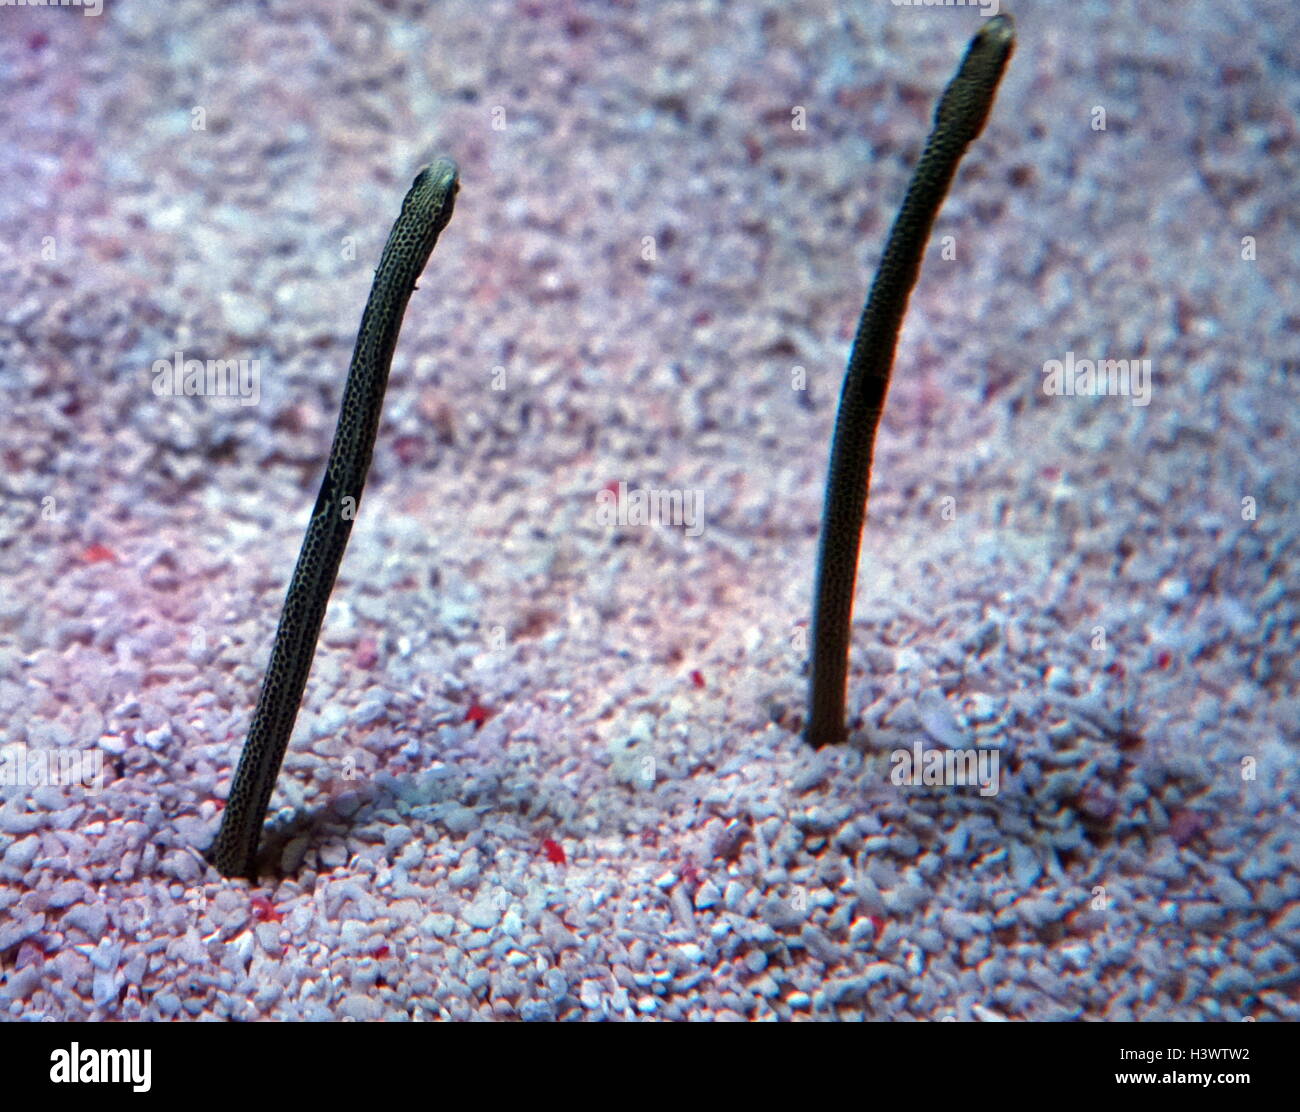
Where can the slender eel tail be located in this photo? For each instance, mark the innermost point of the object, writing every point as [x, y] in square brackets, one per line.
[425, 212]
[958, 119]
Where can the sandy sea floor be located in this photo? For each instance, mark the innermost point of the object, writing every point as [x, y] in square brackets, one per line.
[548, 766]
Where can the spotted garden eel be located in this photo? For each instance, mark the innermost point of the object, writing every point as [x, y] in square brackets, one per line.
[959, 118]
[425, 212]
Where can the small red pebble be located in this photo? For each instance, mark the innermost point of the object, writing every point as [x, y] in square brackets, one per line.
[1129, 739]
[1097, 802]
[1115, 668]
[1186, 826]
[97, 554]
[554, 852]
[697, 678]
[29, 953]
[1163, 659]
[264, 911]
[477, 714]
[408, 449]
[379, 952]
[367, 654]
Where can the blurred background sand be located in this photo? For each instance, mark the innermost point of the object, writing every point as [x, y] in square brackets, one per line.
[549, 767]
